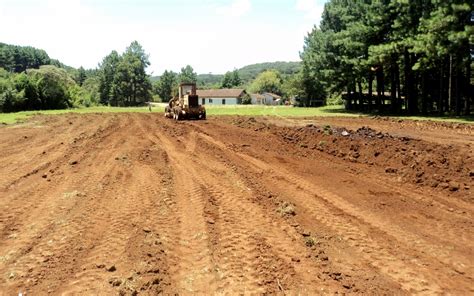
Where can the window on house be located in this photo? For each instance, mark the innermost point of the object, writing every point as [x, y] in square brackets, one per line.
[203, 101]
[210, 101]
[223, 101]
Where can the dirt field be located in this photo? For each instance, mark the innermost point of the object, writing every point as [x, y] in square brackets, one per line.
[136, 203]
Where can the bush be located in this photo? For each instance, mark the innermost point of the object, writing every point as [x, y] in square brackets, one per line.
[246, 99]
[334, 100]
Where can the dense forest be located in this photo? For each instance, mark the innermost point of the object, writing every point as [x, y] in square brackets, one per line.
[393, 55]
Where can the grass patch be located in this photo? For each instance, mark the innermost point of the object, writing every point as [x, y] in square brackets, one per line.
[73, 194]
[283, 111]
[456, 119]
[9, 118]
[309, 241]
[327, 130]
[217, 110]
[286, 209]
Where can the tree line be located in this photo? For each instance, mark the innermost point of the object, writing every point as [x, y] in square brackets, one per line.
[404, 57]
[393, 55]
[31, 80]
[17, 59]
[166, 87]
[122, 77]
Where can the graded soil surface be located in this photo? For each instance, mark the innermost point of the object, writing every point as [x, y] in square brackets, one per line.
[129, 204]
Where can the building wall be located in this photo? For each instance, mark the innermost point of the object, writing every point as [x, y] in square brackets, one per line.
[254, 101]
[219, 101]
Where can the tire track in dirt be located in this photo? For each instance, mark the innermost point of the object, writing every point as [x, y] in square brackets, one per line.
[43, 148]
[191, 263]
[188, 250]
[131, 213]
[52, 233]
[58, 163]
[369, 248]
[410, 200]
[435, 199]
[20, 202]
[198, 196]
[191, 207]
[246, 258]
[443, 254]
[23, 201]
[326, 273]
[77, 229]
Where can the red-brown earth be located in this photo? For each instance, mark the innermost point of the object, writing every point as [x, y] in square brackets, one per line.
[136, 203]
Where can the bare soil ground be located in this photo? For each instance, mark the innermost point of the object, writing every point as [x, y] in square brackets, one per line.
[135, 203]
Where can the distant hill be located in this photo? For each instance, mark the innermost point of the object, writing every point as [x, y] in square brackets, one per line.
[203, 79]
[16, 58]
[209, 79]
[247, 73]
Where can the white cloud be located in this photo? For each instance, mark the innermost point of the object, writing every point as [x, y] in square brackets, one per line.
[313, 9]
[237, 8]
[78, 32]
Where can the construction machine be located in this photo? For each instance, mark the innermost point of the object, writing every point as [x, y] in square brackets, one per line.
[186, 105]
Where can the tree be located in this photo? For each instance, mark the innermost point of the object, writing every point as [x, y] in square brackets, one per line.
[53, 87]
[268, 81]
[123, 78]
[442, 43]
[293, 86]
[107, 74]
[81, 76]
[11, 99]
[90, 92]
[419, 50]
[131, 81]
[320, 72]
[236, 81]
[187, 75]
[231, 79]
[227, 80]
[166, 85]
[19, 58]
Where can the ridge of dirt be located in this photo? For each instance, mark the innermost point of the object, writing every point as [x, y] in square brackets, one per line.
[447, 168]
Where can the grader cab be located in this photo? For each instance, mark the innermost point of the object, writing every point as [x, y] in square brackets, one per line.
[186, 105]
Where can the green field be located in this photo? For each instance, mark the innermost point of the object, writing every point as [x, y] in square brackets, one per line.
[245, 110]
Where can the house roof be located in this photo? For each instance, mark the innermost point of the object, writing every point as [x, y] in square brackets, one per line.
[273, 95]
[220, 93]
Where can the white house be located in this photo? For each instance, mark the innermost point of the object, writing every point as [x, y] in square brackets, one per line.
[225, 96]
[265, 99]
[257, 99]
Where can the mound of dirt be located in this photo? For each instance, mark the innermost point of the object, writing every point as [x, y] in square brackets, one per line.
[444, 167]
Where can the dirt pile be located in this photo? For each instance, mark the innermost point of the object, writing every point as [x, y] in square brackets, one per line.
[444, 167]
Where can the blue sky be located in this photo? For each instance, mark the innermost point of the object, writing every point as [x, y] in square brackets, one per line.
[213, 36]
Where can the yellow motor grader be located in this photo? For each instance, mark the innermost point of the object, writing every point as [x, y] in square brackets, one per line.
[186, 105]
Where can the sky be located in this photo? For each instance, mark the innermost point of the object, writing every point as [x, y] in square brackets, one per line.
[213, 36]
